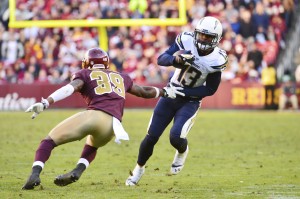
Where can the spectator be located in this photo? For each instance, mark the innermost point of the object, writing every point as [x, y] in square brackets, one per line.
[261, 35]
[11, 76]
[232, 16]
[11, 48]
[214, 8]
[252, 73]
[34, 67]
[153, 75]
[239, 47]
[268, 79]
[19, 69]
[289, 7]
[43, 77]
[55, 77]
[27, 79]
[197, 11]
[247, 27]
[1, 40]
[288, 93]
[280, 29]
[2, 73]
[297, 63]
[260, 17]
[255, 55]
[297, 74]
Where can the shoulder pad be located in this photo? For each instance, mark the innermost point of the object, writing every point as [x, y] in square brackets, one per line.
[182, 38]
[222, 60]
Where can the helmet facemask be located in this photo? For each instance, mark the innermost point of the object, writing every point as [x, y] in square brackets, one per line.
[209, 43]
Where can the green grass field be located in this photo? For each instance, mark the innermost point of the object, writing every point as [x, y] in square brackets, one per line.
[233, 154]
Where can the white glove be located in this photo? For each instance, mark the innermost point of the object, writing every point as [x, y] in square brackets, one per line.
[172, 91]
[184, 60]
[187, 59]
[37, 108]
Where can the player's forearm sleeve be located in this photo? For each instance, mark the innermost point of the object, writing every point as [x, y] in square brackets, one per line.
[212, 83]
[62, 93]
[167, 58]
[199, 92]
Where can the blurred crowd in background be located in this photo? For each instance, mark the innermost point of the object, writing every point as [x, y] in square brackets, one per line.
[255, 32]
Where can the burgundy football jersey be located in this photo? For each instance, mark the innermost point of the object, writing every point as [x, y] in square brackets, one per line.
[104, 90]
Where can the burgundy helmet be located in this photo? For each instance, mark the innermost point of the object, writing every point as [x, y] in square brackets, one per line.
[95, 58]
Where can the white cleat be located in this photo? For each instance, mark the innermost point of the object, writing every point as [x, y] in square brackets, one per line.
[178, 162]
[137, 173]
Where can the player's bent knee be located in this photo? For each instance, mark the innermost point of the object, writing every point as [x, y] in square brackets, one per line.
[178, 143]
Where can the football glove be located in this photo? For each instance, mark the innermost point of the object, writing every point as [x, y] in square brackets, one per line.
[172, 91]
[37, 108]
[183, 60]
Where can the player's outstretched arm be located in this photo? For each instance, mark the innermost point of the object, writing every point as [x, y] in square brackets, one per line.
[154, 92]
[57, 95]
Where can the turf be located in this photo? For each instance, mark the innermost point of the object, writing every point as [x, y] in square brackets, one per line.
[233, 154]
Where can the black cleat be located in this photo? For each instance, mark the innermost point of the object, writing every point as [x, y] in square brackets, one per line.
[65, 179]
[33, 181]
[68, 178]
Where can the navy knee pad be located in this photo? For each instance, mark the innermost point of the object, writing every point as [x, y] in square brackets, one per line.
[179, 143]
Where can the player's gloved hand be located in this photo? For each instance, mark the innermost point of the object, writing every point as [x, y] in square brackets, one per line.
[37, 108]
[185, 59]
[172, 91]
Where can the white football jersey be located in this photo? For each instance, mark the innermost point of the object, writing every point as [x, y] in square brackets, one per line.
[195, 75]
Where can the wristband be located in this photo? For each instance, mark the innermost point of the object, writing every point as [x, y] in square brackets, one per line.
[45, 103]
[157, 92]
[165, 94]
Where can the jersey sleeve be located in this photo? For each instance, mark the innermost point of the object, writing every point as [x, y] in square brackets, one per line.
[128, 82]
[183, 40]
[78, 75]
[178, 41]
[222, 61]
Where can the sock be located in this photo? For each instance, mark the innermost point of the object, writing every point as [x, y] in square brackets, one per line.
[43, 152]
[88, 155]
[137, 168]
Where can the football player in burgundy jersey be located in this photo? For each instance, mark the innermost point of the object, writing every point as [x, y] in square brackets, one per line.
[104, 92]
[198, 62]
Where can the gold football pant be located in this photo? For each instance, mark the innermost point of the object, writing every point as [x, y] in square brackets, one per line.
[96, 125]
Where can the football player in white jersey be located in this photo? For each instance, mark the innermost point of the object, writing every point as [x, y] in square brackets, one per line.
[199, 63]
